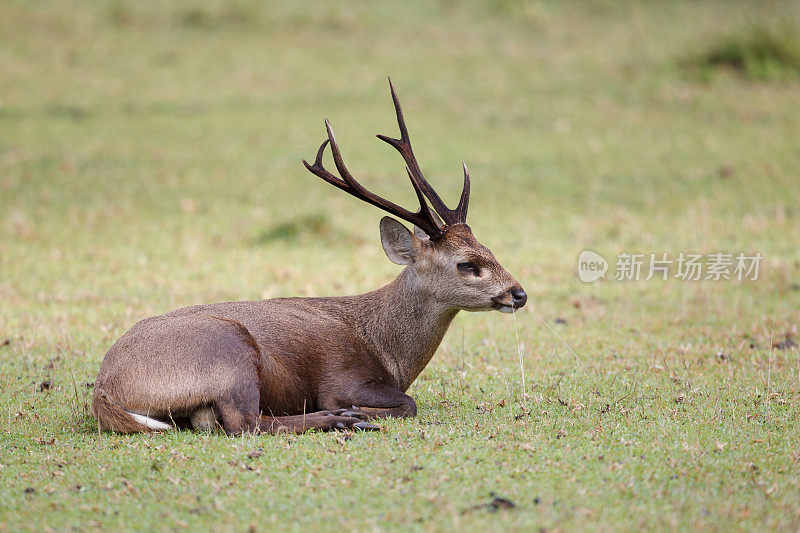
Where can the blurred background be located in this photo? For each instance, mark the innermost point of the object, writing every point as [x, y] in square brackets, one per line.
[150, 153]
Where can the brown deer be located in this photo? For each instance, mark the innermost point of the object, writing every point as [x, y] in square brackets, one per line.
[299, 364]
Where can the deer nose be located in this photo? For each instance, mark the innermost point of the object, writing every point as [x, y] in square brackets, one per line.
[519, 297]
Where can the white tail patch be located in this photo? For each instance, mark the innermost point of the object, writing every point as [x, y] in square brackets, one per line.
[150, 423]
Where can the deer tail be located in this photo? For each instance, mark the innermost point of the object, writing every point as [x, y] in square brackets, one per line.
[112, 417]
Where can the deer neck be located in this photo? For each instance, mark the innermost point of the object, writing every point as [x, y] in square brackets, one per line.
[405, 323]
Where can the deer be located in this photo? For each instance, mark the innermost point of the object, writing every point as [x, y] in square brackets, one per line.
[292, 365]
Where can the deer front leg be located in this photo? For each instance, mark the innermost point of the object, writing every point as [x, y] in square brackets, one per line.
[339, 419]
[377, 400]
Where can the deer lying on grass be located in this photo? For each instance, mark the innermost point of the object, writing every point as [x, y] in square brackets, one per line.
[299, 364]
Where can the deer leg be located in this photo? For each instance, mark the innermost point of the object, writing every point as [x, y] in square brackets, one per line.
[377, 400]
[400, 411]
[238, 408]
[339, 419]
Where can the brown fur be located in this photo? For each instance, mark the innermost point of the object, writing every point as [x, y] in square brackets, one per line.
[293, 364]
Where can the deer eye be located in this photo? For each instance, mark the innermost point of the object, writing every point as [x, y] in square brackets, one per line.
[468, 268]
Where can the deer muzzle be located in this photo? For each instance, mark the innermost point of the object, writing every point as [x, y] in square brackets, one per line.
[510, 300]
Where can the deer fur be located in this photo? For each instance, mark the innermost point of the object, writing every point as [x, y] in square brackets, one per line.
[297, 364]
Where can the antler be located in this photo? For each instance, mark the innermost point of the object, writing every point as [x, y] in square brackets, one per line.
[403, 145]
[425, 218]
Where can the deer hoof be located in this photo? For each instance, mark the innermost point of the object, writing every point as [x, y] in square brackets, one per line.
[366, 426]
[356, 414]
[352, 412]
[346, 423]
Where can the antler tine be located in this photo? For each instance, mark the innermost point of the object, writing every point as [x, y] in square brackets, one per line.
[403, 145]
[341, 167]
[463, 203]
[320, 171]
[440, 225]
[423, 218]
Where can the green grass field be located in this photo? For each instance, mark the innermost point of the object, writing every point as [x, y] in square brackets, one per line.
[150, 159]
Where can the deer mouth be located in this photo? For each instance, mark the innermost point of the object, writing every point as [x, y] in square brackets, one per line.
[502, 306]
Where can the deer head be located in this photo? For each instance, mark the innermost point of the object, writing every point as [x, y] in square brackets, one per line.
[442, 253]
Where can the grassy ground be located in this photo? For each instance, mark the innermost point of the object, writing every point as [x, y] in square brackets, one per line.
[149, 159]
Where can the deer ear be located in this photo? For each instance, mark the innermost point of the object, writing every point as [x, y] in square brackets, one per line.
[420, 234]
[397, 241]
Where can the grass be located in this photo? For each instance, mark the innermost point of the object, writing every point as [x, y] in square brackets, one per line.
[149, 159]
[759, 53]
